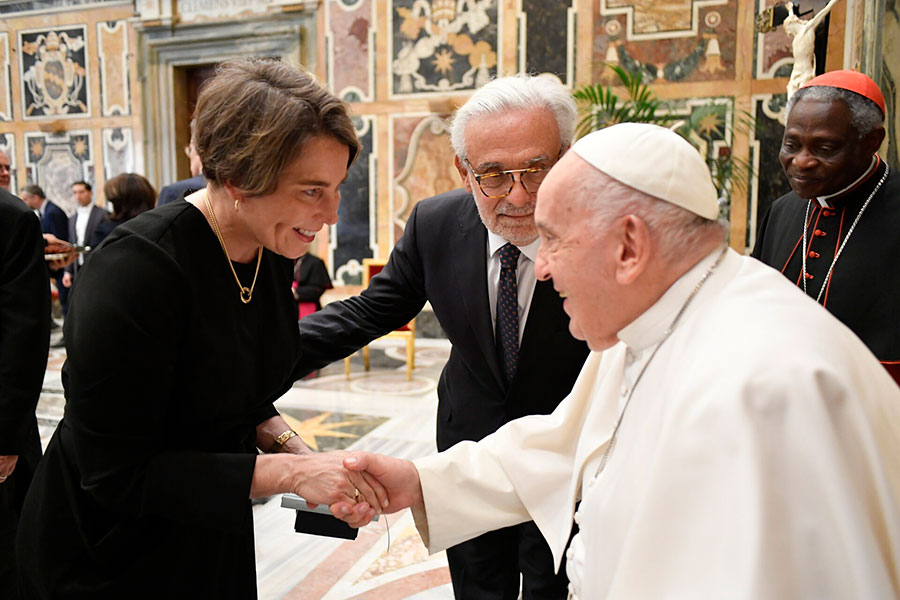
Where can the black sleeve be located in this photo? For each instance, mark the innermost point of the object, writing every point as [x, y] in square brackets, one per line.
[393, 298]
[760, 236]
[24, 325]
[59, 225]
[127, 316]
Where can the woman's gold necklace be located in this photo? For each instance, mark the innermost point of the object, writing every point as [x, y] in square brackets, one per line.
[246, 293]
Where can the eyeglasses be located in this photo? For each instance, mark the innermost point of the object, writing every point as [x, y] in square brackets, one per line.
[500, 183]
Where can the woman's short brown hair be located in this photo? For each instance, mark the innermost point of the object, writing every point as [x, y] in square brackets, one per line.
[254, 118]
[130, 195]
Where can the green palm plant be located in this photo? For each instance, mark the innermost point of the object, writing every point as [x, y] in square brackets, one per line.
[600, 106]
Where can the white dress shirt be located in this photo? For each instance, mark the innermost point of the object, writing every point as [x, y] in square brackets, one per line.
[82, 215]
[526, 277]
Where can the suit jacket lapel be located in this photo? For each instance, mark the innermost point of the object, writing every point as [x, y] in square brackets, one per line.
[471, 278]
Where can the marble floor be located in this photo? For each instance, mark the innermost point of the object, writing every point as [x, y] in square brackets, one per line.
[378, 411]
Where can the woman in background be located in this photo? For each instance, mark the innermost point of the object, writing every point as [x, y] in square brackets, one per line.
[130, 194]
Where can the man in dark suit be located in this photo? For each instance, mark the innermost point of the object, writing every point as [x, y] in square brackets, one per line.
[81, 227]
[470, 253]
[24, 335]
[55, 221]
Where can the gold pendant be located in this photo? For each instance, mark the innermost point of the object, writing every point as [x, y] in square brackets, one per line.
[245, 295]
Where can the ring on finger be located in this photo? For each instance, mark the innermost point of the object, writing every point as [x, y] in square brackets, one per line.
[356, 494]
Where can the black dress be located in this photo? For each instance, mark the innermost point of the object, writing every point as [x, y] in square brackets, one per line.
[864, 287]
[144, 487]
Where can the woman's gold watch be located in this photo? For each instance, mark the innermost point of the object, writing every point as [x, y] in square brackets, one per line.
[282, 439]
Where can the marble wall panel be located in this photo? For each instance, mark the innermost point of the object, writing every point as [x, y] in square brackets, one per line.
[112, 50]
[353, 238]
[53, 72]
[118, 151]
[423, 164]
[765, 143]
[8, 147]
[205, 10]
[673, 40]
[11, 8]
[547, 38]
[890, 80]
[350, 35]
[442, 45]
[5, 81]
[55, 161]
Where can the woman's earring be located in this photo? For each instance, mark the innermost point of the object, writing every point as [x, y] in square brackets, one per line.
[237, 202]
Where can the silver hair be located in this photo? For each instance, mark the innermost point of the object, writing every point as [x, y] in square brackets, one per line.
[676, 230]
[865, 116]
[516, 92]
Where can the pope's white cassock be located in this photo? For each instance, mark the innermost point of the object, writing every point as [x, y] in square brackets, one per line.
[759, 456]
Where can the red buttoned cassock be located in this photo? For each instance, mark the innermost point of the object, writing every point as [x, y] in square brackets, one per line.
[864, 288]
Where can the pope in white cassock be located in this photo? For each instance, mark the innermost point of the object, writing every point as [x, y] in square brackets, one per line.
[733, 440]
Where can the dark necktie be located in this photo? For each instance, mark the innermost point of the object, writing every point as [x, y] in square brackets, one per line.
[507, 334]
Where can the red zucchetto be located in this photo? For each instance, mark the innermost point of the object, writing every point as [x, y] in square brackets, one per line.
[850, 80]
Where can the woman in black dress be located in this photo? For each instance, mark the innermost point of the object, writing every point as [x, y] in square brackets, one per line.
[181, 334]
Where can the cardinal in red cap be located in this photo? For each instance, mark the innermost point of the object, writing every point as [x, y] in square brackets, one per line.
[835, 234]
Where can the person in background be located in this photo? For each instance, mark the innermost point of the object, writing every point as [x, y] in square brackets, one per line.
[727, 437]
[835, 234]
[24, 339]
[130, 194]
[55, 222]
[5, 171]
[181, 335]
[311, 279]
[179, 189]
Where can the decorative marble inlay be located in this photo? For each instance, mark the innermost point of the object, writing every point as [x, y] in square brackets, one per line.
[118, 151]
[443, 45]
[423, 164]
[656, 19]
[353, 237]
[53, 72]
[705, 50]
[112, 50]
[350, 34]
[323, 431]
[547, 38]
[5, 83]
[765, 143]
[55, 161]
[8, 147]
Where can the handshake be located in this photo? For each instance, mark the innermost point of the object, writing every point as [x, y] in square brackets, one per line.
[355, 486]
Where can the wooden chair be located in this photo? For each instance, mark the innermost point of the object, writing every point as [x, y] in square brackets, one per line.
[372, 267]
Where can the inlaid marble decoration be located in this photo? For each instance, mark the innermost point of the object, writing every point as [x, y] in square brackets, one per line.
[773, 49]
[353, 237]
[5, 83]
[118, 151]
[324, 431]
[547, 38]
[53, 72]
[20, 6]
[112, 50]
[423, 164]
[56, 161]
[671, 40]
[442, 45]
[765, 143]
[708, 123]
[8, 147]
[350, 38]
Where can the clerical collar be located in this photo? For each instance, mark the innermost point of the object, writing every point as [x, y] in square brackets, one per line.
[825, 201]
[649, 328]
